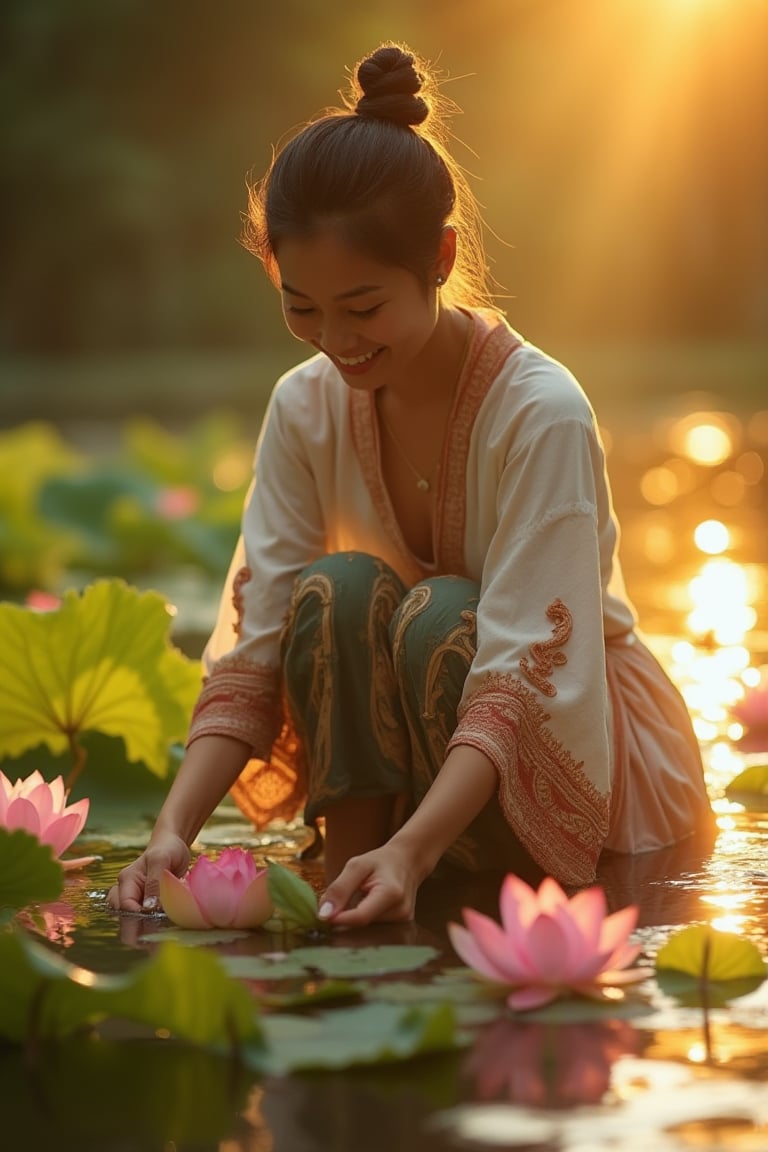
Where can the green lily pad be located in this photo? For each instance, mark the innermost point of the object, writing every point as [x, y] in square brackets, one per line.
[29, 872]
[368, 1034]
[707, 954]
[330, 961]
[189, 938]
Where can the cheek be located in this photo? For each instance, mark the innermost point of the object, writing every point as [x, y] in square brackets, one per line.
[301, 327]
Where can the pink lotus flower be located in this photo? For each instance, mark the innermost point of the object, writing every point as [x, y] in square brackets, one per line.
[752, 712]
[548, 945]
[229, 892]
[177, 503]
[41, 809]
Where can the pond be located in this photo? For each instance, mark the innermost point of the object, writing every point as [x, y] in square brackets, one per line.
[668, 1074]
[668, 1069]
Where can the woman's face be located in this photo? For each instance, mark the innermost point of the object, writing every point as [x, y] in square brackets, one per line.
[372, 320]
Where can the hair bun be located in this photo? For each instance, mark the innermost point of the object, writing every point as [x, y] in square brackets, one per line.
[390, 85]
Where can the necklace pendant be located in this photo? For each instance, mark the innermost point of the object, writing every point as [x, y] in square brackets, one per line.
[422, 484]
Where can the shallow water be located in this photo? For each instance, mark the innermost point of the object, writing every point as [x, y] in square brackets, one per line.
[673, 1077]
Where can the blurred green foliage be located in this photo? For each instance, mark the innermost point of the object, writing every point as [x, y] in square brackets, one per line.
[152, 502]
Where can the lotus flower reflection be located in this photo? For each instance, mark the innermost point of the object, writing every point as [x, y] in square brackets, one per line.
[229, 892]
[548, 945]
[41, 809]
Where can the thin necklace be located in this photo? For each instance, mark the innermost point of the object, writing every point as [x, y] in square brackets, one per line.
[424, 483]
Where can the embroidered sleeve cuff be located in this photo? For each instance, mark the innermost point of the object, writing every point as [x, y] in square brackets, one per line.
[548, 799]
[242, 700]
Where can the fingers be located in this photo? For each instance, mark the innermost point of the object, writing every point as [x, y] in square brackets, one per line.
[138, 886]
[340, 893]
[127, 893]
[361, 894]
[378, 905]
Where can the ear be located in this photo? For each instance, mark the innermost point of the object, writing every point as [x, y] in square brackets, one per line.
[446, 253]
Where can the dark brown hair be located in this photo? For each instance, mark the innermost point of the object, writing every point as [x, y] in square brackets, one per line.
[377, 170]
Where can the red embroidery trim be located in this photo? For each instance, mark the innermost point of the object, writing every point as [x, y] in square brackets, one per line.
[241, 579]
[549, 801]
[543, 652]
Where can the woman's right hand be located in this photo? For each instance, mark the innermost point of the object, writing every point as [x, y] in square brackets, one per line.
[137, 888]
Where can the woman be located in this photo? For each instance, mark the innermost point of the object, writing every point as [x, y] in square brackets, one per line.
[424, 640]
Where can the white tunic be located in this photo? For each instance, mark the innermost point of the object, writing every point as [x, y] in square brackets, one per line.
[591, 741]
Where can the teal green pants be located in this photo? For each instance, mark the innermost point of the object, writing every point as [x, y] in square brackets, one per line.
[374, 674]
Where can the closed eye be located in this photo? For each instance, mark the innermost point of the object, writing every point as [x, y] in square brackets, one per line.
[365, 313]
[296, 311]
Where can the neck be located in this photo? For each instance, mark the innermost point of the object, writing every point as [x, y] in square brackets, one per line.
[440, 360]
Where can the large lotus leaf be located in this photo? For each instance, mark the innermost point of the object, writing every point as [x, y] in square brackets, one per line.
[346, 1037]
[102, 662]
[707, 954]
[29, 872]
[41, 994]
[186, 992]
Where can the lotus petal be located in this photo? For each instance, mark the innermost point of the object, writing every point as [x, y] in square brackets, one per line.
[179, 904]
[506, 951]
[255, 905]
[214, 892]
[532, 996]
[21, 813]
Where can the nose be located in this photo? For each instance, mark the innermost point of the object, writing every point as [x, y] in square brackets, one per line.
[335, 336]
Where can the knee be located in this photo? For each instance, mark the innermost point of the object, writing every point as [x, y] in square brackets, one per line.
[430, 613]
[347, 582]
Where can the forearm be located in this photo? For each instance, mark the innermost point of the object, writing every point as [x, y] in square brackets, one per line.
[462, 788]
[208, 771]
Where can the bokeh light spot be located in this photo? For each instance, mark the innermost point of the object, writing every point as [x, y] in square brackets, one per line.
[712, 537]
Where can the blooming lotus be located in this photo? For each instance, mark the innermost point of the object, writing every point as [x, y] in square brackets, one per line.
[229, 892]
[752, 713]
[41, 809]
[548, 945]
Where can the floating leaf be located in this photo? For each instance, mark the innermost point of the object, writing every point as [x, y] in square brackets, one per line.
[702, 951]
[29, 872]
[292, 897]
[190, 938]
[102, 662]
[312, 994]
[367, 1034]
[330, 961]
[750, 787]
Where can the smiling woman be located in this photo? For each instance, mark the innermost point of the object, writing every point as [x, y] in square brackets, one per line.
[424, 642]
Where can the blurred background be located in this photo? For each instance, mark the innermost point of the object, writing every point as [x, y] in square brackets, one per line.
[619, 149]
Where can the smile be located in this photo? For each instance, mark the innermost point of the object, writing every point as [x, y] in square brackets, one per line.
[353, 361]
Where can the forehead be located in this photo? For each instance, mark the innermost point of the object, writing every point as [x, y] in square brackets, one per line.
[324, 263]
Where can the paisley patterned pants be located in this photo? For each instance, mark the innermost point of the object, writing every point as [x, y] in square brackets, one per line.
[374, 674]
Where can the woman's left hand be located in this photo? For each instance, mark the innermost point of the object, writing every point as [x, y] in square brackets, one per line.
[379, 885]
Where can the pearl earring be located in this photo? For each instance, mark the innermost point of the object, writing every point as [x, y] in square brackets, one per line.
[440, 279]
